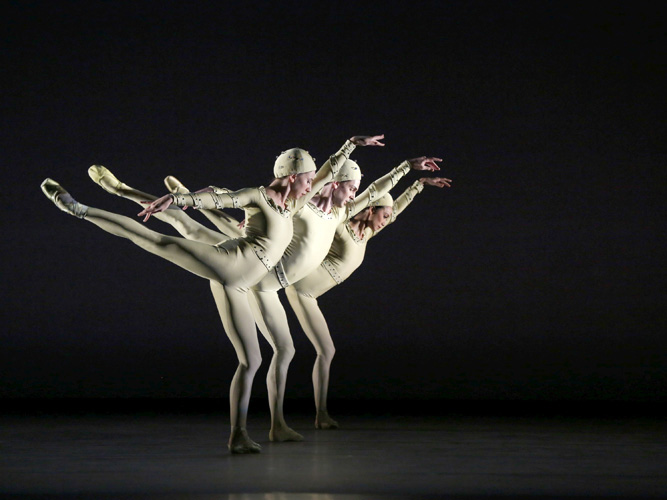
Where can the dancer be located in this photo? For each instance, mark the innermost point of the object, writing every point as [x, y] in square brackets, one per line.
[345, 256]
[314, 229]
[234, 264]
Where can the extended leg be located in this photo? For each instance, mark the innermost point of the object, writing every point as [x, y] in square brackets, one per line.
[237, 319]
[178, 219]
[271, 318]
[201, 259]
[315, 326]
[198, 258]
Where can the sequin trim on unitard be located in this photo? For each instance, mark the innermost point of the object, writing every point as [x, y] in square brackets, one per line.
[261, 255]
[280, 274]
[331, 269]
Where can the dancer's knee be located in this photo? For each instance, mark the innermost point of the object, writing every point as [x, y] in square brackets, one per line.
[289, 351]
[251, 364]
[285, 350]
[326, 353]
[154, 242]
[185, 231]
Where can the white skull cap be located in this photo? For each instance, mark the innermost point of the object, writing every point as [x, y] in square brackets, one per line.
[349, 171]
[383, 201]
[293, 161]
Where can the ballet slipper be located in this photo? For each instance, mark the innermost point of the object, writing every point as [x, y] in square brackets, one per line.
[240, 443]
[106, 180]
[324, 421]
[282, 433]
[62, 199]
[174, 185]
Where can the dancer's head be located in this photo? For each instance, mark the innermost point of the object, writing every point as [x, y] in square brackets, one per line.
[346, 183]
[298, 166]
[344, 193]
[382, 208]
[300, 184]
[293, 161]
[378, 214]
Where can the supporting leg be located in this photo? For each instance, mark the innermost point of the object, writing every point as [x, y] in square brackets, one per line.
[315, 326]
[240, 328]
[271, 318]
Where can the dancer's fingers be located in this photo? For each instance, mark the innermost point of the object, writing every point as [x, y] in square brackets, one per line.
[376, 139]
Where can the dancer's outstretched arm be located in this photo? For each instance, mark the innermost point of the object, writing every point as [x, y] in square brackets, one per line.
[216, 198]
[402, 202]
[224, 222]
[328, 171]
[384, 184]
[238, 199]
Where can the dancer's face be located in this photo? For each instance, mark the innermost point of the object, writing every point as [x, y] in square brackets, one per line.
[302, 184]
[379, 217]
[344, 193]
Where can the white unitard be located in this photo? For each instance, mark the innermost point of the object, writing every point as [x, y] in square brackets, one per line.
[313, 235]
[231, 266]
[344, 257]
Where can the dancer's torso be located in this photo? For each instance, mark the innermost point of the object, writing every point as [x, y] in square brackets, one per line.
[313, 234]
[347, 250]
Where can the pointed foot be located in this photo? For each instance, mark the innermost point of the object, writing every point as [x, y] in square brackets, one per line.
[103, 177]
[62, 199]
[174, 185]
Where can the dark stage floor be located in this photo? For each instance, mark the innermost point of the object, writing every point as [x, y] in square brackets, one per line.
[135, 451]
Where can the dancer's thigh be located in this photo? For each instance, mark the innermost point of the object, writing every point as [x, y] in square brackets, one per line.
[237, 320]
[233, 263]
[190, 228]
[242, 268]
[311, 320]
[274, 318]
[315, 284]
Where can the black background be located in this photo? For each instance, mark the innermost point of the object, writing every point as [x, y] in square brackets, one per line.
[539, 275]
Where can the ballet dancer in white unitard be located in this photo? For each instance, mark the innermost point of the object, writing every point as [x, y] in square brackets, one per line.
[235, 264]
[345, 256]
[314, 229]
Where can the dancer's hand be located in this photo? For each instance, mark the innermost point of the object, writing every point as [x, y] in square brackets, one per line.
[439, 182]
[425, 163]
[156, 206]
[367, 140]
